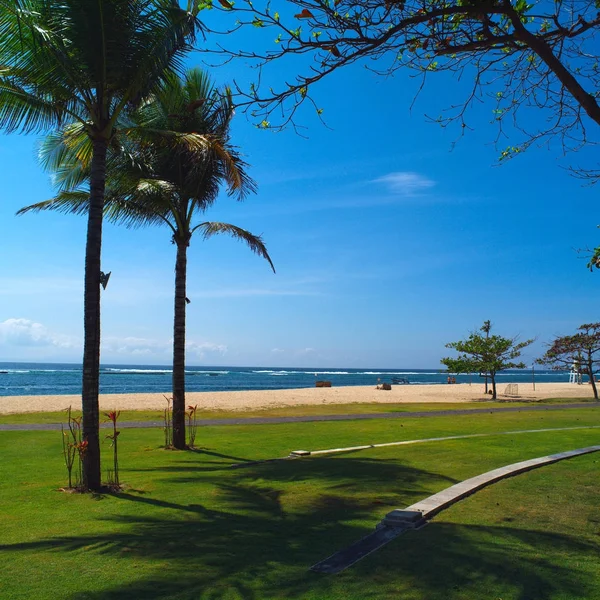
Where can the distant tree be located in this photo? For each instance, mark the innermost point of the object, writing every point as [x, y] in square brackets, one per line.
[486, 328]
[581, 349]
[595, 258]
[485, 354]
[174, 156]
[524, 55]
[87, 62]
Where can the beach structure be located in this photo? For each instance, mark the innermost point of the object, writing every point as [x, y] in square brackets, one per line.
[575, 374]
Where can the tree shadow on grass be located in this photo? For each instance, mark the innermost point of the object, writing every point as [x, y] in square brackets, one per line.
[204, 451]
[445, 560]
[257, 544]
[376, 473]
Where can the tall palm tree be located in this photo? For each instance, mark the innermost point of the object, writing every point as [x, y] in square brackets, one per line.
[87, 62]
[170, 165]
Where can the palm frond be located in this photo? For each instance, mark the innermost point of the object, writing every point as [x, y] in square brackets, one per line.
[74, 203]
[162, 166]
[133, 213]
[21, 110]
[67, 154]
[164, 33]
[254, 242]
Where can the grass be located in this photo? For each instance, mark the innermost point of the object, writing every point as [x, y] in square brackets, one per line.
[189, 526]
[291, 411]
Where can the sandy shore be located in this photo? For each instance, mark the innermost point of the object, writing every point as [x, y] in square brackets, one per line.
[252, 400]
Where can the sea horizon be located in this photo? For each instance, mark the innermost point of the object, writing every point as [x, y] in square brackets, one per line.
[32, 378]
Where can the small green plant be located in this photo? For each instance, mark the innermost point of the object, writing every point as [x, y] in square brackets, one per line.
[113, 476]
[82, 447]
[73, 447]
[192, 425]
[168, 422]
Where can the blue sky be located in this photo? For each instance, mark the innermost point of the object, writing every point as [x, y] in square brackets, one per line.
[387, 242]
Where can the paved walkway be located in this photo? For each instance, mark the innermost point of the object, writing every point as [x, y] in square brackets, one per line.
[309, 419]
[307, 453]
[414, 516]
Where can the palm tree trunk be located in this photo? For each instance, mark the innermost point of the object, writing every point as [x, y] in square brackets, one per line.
[179, 347]
[91, 347]
[493, 378]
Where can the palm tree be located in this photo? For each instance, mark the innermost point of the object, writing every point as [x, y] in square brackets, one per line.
[87, 62]
[170, 166]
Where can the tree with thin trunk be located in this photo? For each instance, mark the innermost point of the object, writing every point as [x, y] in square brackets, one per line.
[486, 328]
[485, 354]
[173, 158]
[580, 351]
[87, 62]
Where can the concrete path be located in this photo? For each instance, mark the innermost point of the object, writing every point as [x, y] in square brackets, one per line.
[307, 453]
[415, 516]
[310, 419]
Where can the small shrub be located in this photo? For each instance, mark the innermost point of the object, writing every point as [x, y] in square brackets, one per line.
[168, 422]
[73, 447]
[192, 425]
[113, 476]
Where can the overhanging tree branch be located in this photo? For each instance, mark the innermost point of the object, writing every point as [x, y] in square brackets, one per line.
[525, 55]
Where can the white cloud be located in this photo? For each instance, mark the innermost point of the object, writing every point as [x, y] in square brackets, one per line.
[406, 183]
[68, 288]
[134, 346]
[203, 349]
[32, 338]
[306, 351]
[235, 293]
[23, 332]
[277, 351]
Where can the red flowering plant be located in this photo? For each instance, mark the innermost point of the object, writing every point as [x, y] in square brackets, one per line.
[73, 447]
[192, 424]
[113, 476]
[168, 422]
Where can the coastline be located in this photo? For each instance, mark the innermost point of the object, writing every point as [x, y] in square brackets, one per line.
[263, 399]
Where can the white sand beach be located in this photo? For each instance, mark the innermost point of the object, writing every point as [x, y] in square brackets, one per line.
[253, 400]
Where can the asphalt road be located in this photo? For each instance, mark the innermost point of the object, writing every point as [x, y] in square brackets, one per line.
[309, 419]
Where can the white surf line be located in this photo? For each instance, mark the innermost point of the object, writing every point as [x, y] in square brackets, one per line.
[306, 453]
[415, 516]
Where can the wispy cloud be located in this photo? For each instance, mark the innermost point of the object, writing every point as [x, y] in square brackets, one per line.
[245, 292]
[204, 349]
[353, 193]
[41, 286]
[306, 351]
[148, 347]
[406, 183]
[23, 332]
[134, 346]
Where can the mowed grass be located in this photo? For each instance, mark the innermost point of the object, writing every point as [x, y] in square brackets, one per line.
[294, 411]
[191, 525]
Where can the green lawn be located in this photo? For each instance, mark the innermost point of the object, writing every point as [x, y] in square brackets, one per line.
[293, 411]
[189, 526]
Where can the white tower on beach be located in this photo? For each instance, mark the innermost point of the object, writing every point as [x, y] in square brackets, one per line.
[575, 375]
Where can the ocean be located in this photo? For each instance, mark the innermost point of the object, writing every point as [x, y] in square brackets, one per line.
[33, 379]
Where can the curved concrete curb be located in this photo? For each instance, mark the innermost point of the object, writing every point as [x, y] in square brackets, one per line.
[414, 516]
[438, 502]
[307, 453]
